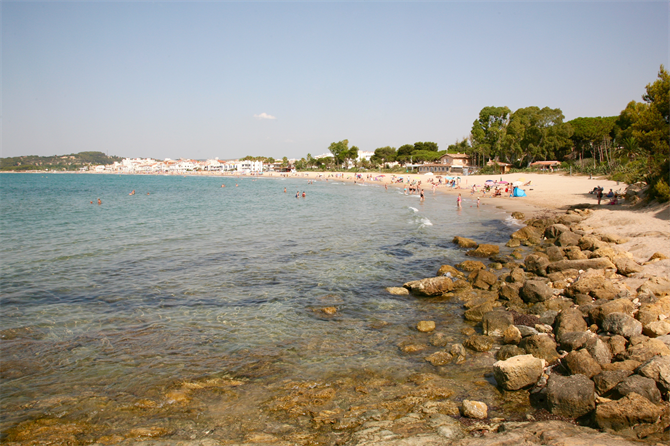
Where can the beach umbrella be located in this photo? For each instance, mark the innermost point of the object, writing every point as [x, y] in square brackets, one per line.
[490, 181]
[517, 183]
[503, 182]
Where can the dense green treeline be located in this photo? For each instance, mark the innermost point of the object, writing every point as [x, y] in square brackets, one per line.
[70, 162]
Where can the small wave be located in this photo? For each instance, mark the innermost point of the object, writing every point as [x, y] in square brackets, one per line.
[423, 222]
[513, 222]
[414, 209]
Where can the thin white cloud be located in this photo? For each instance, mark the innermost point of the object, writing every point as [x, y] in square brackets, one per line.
[264, 116]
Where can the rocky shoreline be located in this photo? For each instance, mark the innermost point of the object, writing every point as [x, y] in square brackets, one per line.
[565, 326]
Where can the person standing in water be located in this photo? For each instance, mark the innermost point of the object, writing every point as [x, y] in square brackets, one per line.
[421, 194]
[99, 201]
[458, 200]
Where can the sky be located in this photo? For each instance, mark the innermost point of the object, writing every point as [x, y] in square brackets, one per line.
[230, 79]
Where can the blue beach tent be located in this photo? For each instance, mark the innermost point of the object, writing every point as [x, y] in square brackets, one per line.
[518, 192]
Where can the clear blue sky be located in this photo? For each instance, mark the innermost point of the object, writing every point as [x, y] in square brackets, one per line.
[200, 80]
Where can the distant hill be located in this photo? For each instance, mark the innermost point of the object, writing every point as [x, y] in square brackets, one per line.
[70, 162]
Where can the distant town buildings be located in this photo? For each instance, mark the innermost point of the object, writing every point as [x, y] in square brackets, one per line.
[149, 165]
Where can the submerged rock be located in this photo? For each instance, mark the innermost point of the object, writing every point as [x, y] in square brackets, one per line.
[474, 409]
[433, 286]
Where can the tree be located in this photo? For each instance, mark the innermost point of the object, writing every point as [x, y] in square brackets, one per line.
[488, 131]
[425, 146]
[649, 122]
[339, 150]
[384, 155]
[533, 133]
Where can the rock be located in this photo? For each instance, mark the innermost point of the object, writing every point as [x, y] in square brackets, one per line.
[574, 340]
[626, 412]
[657, 256]
[626, 267]
[434, 286]
[509, 292]
[458, 351]
[517, 275]
[656, 329]
[645, 387]
[607, 379]
[439, 358]
[511, 335]
[627, 364]
[644, 351]
[527, 233]
[574, 253]
[590, 243]
[594, 283]
[412, 348]
[479, 343]
[518, 215]
[598, 313]
[474, 409]
[555, 254]
[657, 286]
[495, 322]
[464, 242]
[484, 250]
[425, 326]
[617, 344]
[570, 396]
[569, 320]
[450, 271]
[476, 314]
[513, 243]
[650, 312]
[525, 330]
[658, 369]
[398, 291]
[541, 346]
[518, 371]
[549, 317]
[612, 238]
[553, 231]
[568, 239]
[536, 264]
[470, 265]
[581, 362]
[329, 311]
[535, 291]
[439, 339]
[600, 351]
[621, 324]
[509, 351]
[597, 263]
[482, 279]
[665, 339]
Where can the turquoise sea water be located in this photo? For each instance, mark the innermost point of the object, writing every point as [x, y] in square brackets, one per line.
[186, 279]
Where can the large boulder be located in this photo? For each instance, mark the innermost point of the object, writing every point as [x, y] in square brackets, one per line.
[597, 263]
[464, 242]
[658, 369]
[476, 313]
[570, 396]
[656, 328]
[645, 387]
[591, 243]
[600, 351]
[494, 323]
[574, 340]
[581, 362]
[509, 351]
[484, 250]
[541, 346]
[518, 371]
[655, 286]
[450, 271]
[626, 412]
[555, 253]
[433, 286]
[593, 283]
[536, 291]
[568, 320]
[622, 324]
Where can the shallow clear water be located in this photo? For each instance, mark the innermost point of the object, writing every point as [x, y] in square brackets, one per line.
[186, 279]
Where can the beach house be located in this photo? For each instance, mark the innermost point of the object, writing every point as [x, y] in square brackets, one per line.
[448, 163]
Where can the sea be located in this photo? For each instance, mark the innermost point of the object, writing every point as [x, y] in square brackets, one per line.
[107, 310]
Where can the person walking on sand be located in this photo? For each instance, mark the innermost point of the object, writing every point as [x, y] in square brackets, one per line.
[600, 194]
[458, 201]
